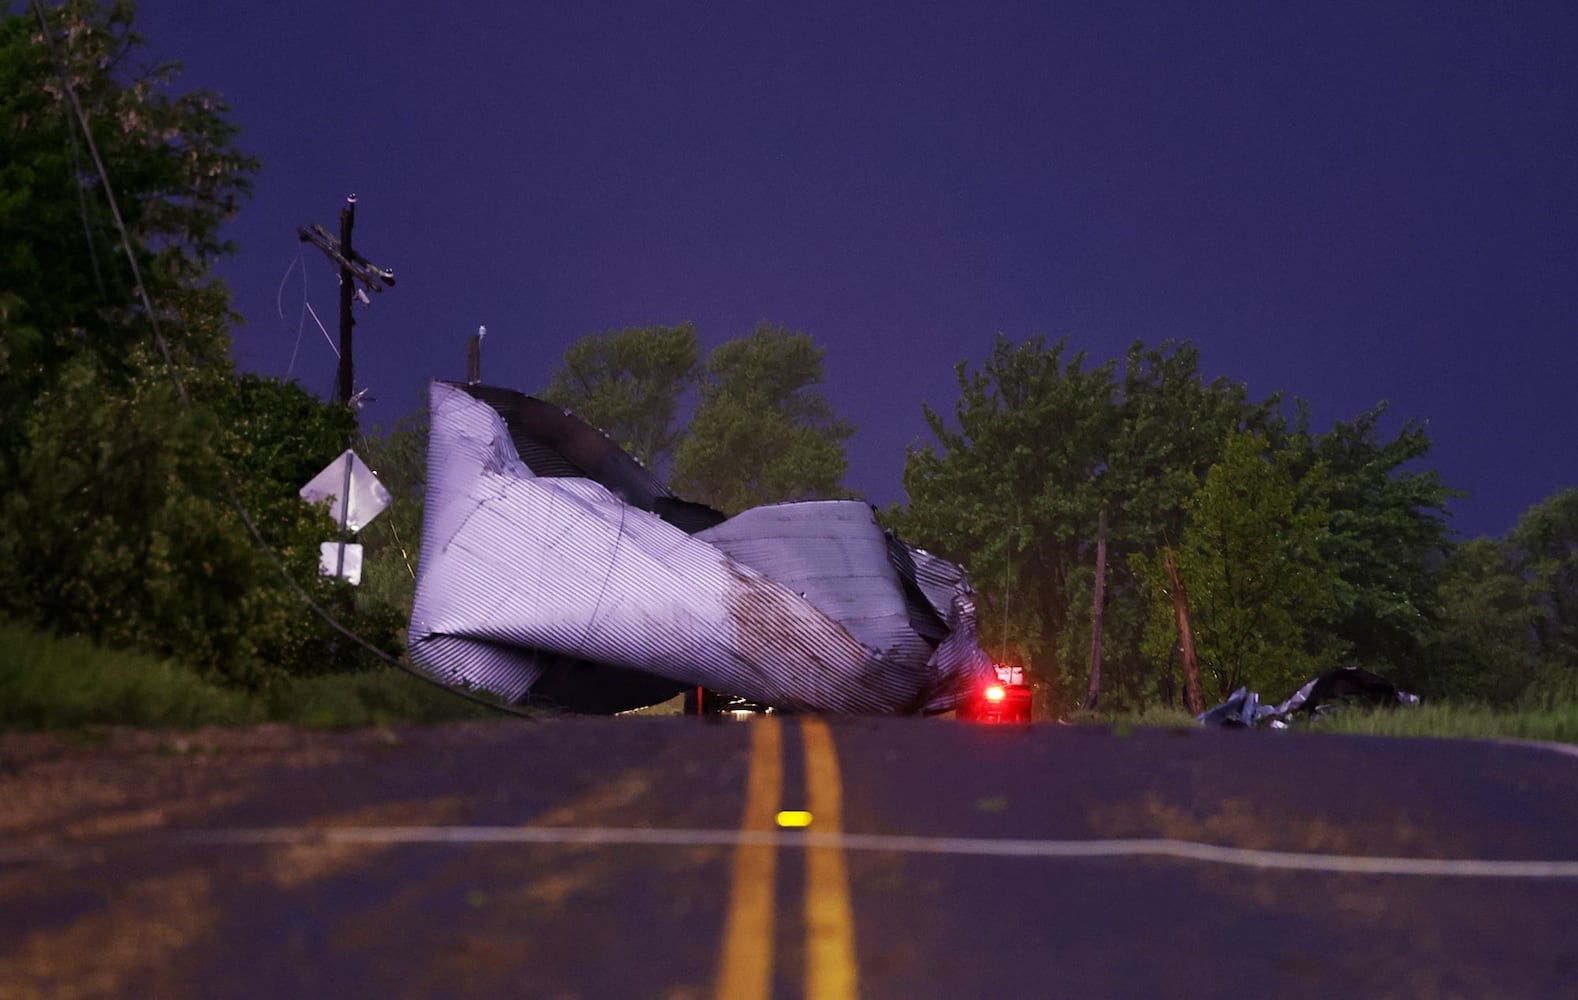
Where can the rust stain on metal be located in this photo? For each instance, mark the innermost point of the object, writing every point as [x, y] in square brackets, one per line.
[766, 621]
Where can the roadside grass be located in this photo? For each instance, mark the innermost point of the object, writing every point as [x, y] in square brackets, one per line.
[50, 683]
[65, 683]
[1552, 717]
[1122, 723]
[1548, 719]
[376, 698]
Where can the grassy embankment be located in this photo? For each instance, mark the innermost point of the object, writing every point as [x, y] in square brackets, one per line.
[1544, 718]
[49, 683]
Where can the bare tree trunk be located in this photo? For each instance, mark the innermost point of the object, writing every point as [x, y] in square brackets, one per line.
[1191, 666]
[1094, 691]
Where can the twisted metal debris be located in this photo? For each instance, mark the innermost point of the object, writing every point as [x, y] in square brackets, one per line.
[557, 570]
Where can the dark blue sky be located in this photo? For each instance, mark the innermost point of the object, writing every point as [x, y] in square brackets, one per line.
[1349, 202]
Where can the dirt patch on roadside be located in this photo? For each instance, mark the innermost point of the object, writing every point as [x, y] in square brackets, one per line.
[110, 781]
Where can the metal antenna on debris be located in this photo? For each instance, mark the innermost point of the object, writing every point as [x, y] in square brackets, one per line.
[474, 356]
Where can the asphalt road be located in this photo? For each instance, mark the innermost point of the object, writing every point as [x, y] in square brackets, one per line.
[647, 857]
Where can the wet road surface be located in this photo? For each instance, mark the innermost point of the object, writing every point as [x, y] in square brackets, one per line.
[666, 857]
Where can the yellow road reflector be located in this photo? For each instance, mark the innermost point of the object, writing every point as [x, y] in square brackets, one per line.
[794, 817]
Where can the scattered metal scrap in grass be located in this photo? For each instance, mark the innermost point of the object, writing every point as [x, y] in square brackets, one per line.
[1320, 695]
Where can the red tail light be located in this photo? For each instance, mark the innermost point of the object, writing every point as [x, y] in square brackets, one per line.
[995, 693]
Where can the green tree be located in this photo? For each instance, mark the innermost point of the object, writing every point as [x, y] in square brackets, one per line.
[66, 287]
[398, 456]
[270, 438]
[1486, 646]
[1544, 552]
[629, 383]
[119, 527]
[274, 436]
[764, 430]
[118, 521]
[1387, 535]
[1013, 490]
[1170, 426]
[1040, 444]
[1508, 627]
[1250, 557]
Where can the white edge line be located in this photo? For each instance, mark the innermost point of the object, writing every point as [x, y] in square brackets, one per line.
[1183, 850]
[1567, 749]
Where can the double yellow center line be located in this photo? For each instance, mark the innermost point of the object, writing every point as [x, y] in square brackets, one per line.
[746, 969]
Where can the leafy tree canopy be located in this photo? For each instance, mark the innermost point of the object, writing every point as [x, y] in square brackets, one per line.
[760, 430]
[119, 525]
[1251, 560]
[629, 383]
[1042, 442]
[1543, 547]
[763, 430]
[1506, 629]
[1485, 647]
[66, 282]
[1387, 533]
[118, 521]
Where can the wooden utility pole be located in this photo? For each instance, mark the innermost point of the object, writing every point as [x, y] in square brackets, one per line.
[353, 267]
[1100, 600]
[1193, 699]
[347, 296]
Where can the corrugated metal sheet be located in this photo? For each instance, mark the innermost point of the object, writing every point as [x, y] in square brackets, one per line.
[559, 588]
[835, 555]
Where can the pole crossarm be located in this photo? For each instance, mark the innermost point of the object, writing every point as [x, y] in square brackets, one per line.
[374, 277]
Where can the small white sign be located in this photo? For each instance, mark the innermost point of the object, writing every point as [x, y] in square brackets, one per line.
[341, 559]
[368, 495]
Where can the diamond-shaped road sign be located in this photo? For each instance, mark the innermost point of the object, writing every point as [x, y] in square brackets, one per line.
[348, 476]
